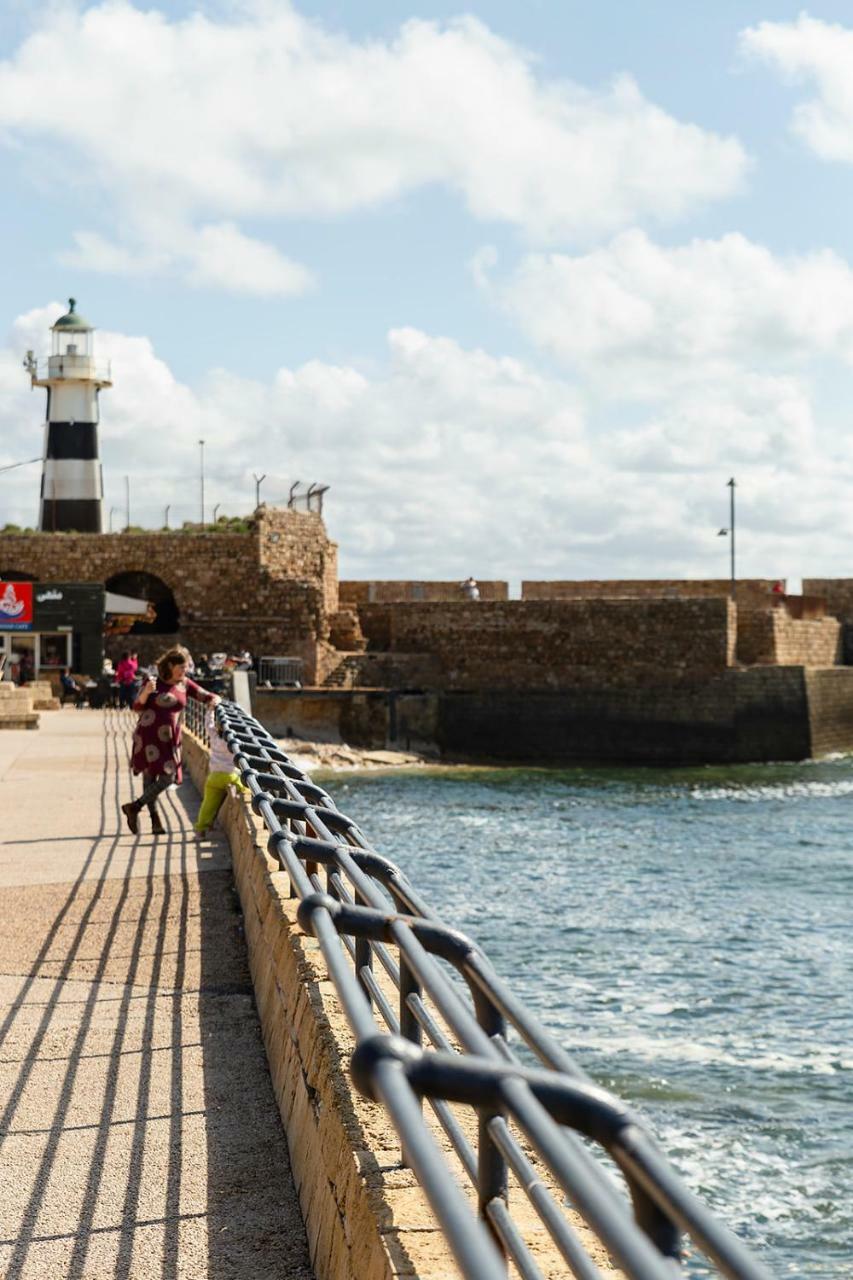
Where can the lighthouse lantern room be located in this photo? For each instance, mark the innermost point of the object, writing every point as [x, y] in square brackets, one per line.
[72, 486]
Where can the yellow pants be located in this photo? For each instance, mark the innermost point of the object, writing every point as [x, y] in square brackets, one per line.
[216, 784]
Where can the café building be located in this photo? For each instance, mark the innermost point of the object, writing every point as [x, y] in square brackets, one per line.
[45, 626]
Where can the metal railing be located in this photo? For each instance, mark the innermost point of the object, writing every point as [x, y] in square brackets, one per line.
[443, 1036]
[279, 670]
[73, 367]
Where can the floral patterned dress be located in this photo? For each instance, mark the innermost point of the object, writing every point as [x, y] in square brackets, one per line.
[157, 737]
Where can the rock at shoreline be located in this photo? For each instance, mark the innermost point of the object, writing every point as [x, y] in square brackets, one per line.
[337, 755]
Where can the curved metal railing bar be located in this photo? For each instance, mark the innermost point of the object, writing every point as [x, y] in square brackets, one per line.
[445, 1048]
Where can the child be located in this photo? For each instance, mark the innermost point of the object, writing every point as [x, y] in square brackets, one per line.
[221, 775]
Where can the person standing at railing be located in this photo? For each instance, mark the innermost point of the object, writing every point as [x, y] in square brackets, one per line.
[222, 774]
[157, 738]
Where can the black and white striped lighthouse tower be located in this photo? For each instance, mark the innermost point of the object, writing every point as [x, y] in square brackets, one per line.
[72, 486]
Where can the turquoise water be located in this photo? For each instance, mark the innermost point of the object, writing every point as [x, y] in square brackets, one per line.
[687, 936]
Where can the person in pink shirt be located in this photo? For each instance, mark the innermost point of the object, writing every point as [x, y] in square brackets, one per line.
[126, 676]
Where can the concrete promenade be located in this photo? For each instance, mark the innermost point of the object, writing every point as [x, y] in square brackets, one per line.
[140, 1136]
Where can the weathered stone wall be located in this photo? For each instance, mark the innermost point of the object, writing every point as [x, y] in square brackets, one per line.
[558, 644]
[830, 697]
[837, 592]
[773, 636]
[294, 544]
[747, 590]
[375, 622]
[761, 713]
[356, 592]
[269, 589]
[359, 717]
[754, 713]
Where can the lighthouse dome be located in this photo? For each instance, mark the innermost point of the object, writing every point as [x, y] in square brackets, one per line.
[71, 320]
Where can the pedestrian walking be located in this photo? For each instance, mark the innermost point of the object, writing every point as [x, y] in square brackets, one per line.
[126, 677]
[157, 738]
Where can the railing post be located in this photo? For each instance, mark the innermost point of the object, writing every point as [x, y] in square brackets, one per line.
[363, 955]
[492, 1175]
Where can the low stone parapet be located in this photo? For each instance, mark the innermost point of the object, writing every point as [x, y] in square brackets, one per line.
[16, 708]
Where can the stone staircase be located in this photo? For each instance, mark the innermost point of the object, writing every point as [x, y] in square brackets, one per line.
[358, 670]
[43, 697]
[16, 708]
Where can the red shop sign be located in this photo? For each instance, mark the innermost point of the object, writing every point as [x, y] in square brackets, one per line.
[16, 606]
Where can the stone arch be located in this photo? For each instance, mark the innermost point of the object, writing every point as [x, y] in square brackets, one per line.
[142, 585]
[16, 575]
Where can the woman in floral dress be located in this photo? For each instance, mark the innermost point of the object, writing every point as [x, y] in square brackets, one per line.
[157, 737]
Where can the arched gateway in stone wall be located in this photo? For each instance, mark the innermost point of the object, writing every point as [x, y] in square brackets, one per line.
[271, 589]
[139, 584]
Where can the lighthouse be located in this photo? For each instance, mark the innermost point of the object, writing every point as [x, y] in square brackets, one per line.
[72, 486]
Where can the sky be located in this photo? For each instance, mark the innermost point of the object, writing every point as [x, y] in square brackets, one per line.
[524, 285]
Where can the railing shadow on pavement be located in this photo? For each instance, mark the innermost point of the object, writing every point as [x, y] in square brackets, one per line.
[158, 948]
[433, 1020]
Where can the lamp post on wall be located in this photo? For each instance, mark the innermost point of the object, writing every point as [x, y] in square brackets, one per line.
[258, 480]
[112, 513]
[201, 478]
[166, 516]
[215, 509]
[729, 532]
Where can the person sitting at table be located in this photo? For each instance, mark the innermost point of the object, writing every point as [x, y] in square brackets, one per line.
[69, 689]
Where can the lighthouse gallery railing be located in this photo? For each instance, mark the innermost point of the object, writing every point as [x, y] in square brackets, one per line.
[445, 1039]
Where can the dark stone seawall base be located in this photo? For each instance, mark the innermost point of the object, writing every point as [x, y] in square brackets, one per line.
[756, 714]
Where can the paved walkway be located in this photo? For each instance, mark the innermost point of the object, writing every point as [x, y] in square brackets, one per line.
[139, 1133]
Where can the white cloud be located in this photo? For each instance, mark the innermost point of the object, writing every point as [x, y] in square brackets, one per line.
[451, 460]
[223, 256]
[213, 256]
[820, 53]
[645, 312]
[269, 115]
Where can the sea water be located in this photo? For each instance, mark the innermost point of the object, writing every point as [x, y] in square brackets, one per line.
[686, 934]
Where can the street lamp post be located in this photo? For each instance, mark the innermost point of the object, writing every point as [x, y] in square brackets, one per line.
[731, 487]
[215, 509]
[258, 480]
[201, 478]
[729, 533]
[112, 513]
[166, 516]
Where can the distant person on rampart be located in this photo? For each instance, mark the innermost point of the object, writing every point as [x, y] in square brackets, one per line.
[222, 775]
[157, 739]
[126, 677]
[470, 590]
[778, 592]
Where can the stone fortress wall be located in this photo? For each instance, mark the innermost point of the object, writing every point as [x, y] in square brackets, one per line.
[572, 655]
[631, 671]
[749, 592]
[376, 592]
[559, 643]
[572, 638]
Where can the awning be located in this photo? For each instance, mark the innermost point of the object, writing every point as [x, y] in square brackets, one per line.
[124, 604]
